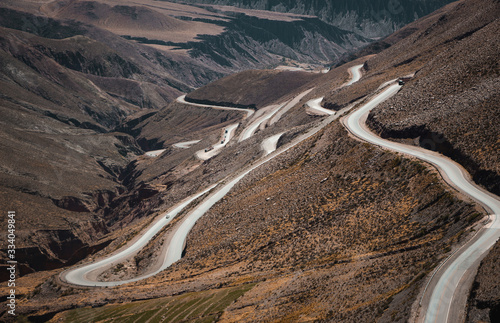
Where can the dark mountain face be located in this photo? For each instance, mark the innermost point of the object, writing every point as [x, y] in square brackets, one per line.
[366, 17]
[250, 42]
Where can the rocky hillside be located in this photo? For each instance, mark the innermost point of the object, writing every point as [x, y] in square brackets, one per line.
[225, 41]
[73, 90]
[64, 88]
[456, 83]
[369, 18]
[484, 301]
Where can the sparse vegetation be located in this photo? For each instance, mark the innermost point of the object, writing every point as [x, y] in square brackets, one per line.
[202, 306]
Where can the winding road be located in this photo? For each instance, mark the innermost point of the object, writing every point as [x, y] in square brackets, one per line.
[182, 99]
[440, 300]
[224, 140]
[355, 74]
[154, 153]
[82, 275]
[269, 144]
[87, 274]
[315, 104]
[186, 144]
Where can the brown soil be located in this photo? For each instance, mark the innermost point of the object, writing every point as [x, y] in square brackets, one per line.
[252, 89]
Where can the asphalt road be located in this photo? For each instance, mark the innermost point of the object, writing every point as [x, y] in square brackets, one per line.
[224, 140]
[442, 294]
[186, 144]
[315, 104]
[269, 144]
[356, 74]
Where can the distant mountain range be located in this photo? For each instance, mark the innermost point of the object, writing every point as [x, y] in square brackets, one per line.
[368, 18]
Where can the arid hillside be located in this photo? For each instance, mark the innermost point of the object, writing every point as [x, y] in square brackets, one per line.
[65, 87]
[75, 95]
[369, 18]
[252, 89]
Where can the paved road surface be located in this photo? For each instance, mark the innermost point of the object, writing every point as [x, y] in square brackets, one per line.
[252, 128]
[186, 144]
[225, 138]
[269, 144]
[154, 153]
[315, 104]
[356, 74]
[80, 275]
[182, 99]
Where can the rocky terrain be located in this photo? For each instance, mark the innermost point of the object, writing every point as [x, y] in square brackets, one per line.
[226, 41]
[332, 230]
[65, 87]
[71, 90]
[484, 301]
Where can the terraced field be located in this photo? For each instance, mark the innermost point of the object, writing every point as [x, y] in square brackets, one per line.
[200, 307]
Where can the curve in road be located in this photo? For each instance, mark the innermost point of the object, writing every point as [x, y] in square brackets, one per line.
[355, 74]
[186, 144]
[80, 275]
[225, 138]
[182, 99]
[154, 153]
[315, 104]
[252, 128]
[441, 299]
[269, 144]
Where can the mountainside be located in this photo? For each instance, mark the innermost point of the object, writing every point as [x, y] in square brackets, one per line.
[369, 18]
[484, 301]
[300, 220]
[225, 41]
[65, 87]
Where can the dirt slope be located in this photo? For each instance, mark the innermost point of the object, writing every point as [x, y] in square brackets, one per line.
[252, 89]
[484, 301]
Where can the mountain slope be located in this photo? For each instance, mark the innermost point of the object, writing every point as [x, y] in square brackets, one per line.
[64, 87]
[226, 41]
[252, 89]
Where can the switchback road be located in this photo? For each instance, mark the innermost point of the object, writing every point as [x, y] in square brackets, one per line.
[86, 275]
